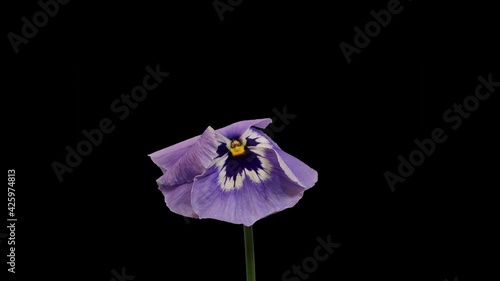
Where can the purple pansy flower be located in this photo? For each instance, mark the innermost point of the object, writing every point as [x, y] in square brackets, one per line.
[235, 174]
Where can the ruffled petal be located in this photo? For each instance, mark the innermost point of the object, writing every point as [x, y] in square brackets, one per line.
[183, 164]
[245, 189]
[237, 129]
[305, 174]
[293, 167]
[168, 156]
[178, 198]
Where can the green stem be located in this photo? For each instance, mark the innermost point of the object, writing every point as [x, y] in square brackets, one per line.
[249, 252]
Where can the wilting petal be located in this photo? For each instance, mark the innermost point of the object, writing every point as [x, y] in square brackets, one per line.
[245, 189]
[237, 129]
[182, 164]
[178, 198]
[305, 174]
[168, 156]
[293, 167]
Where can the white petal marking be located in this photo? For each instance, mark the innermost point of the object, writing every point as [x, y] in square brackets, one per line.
[253, 176]
[238, 182]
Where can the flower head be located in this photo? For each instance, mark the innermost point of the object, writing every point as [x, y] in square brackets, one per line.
[235, 174]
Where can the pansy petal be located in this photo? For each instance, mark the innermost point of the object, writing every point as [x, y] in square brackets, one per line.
[242, 191]
[178, 198]
[293, 167]
[305, 174]
[237, 129]
[184, 164]
[168, 156]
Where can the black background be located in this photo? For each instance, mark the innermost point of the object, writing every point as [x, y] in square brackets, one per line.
[352, 121]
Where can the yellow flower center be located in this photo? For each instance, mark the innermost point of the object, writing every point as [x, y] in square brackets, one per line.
[236, 148]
